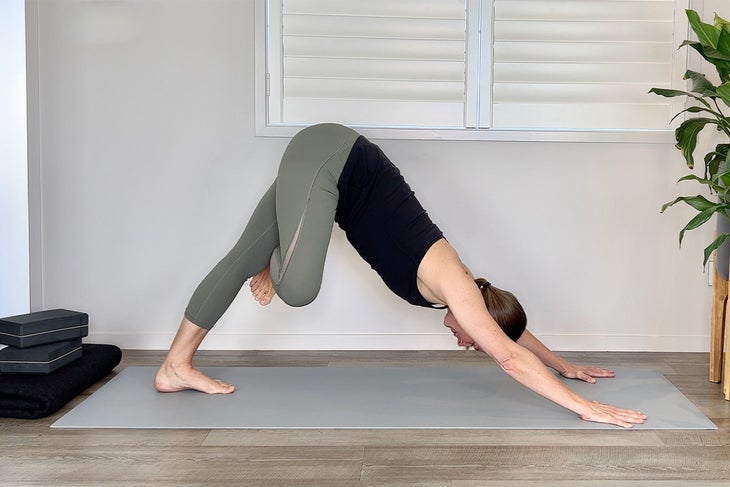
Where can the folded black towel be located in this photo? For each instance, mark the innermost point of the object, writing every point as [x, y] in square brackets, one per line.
[38, 396]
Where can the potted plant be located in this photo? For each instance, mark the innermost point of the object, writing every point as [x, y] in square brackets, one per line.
[710, 104]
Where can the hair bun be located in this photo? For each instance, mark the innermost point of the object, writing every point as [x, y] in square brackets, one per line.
[482, 283]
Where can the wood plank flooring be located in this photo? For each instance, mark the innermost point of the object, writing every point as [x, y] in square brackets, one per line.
[31, 454]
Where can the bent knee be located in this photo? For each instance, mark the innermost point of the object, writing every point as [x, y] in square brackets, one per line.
[296, 295]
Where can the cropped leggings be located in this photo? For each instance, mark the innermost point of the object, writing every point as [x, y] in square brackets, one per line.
[290, 228]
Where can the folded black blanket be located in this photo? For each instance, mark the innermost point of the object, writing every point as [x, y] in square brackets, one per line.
[37, 396]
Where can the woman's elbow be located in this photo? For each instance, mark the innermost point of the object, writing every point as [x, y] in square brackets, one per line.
[509, 362]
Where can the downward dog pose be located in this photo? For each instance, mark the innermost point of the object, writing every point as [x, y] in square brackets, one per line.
[330, 173]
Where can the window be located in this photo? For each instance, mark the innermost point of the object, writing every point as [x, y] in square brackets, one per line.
[14, 247]
[473, 65]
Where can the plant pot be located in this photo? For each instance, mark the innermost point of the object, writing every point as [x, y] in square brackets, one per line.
[722, 258]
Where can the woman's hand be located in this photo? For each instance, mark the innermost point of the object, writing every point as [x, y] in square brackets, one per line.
[559, 364]
[603, 413]
[586, 374]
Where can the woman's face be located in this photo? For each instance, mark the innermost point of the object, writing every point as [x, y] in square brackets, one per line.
[462, 338]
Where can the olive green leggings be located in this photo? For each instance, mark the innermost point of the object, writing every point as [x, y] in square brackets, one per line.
[290, 228]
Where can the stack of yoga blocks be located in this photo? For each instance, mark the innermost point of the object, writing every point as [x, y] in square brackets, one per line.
[41, 342]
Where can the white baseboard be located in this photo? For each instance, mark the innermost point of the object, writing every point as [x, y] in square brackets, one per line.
[243, 341]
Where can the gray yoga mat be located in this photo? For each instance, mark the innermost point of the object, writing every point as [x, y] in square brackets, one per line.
[373, 398]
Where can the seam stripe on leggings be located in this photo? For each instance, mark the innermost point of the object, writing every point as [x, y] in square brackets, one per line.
[295, 238]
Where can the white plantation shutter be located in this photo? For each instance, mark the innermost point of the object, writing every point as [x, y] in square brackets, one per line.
[455, 64]
[584, 63]
[368, 62]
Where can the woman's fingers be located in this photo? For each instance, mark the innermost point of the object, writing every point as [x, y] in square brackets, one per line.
[587, 374]
[585, 377]
[604, 413]
[599, 372]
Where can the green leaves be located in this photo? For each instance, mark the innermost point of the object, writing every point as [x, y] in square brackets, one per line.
[706, 33]
[723, 91]
[709, 101]
[721, 239]
[700, 83]
[698, 220]
[670, 93]
[706, 210]
[721, 23]
[723, 41]
[697, 202]
[686, 135]
[713, 162]
[714, 42]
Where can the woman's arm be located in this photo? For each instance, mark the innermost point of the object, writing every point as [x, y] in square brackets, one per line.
[526, 368]
[559, 364]
[553, 360]
[442, 273]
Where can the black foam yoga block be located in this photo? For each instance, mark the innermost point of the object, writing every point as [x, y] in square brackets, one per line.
[42, 359]
[39, 328]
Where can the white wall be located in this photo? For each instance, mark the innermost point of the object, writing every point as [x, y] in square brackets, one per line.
[14, 258]
[150, 168]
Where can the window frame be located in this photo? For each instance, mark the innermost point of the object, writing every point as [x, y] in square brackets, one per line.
[469, 132]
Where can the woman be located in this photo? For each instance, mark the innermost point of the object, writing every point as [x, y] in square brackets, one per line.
[330, 173]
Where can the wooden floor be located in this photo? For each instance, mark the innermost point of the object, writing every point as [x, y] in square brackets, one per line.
[31, 454]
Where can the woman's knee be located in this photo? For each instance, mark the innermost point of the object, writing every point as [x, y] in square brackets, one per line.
[296, 294]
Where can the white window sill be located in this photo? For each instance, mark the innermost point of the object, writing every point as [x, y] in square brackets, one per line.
[505, 135]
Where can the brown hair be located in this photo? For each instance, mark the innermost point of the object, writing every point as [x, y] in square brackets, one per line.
[504, 308]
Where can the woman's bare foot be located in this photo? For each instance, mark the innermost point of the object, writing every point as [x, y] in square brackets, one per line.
[262, 288]
[177, 372]
[172, 378]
